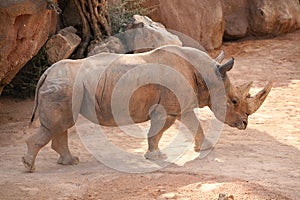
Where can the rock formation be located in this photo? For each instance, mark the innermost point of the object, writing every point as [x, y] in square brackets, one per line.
[25, 27]
[274, 17]
[203, 20]
[141, 35]
[62, 44]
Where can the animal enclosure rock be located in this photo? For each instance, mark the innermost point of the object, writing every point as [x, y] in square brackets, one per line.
[201, 20]
[62, 45]
[110, 45]
[143, 34]
[236, 18]
[207, 21]
[25, 27]
[274, 17]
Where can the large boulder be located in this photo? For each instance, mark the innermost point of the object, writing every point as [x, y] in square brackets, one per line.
[143, 34]
[111, 44]
[203, 20]
[25, 27]
[236, 17]
[62, 44]
[260, 17]
[274, 17]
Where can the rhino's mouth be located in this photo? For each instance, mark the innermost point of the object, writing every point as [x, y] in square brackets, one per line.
[242, 125]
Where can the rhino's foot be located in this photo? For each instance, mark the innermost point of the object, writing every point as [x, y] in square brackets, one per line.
[155, 155]
[28, 162]
[206, 145]
[69, 160]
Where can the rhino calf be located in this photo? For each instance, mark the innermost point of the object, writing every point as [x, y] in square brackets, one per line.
[69, 88]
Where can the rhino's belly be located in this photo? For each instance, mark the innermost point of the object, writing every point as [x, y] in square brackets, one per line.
[114, 118]
[109, 109]
[126, 110]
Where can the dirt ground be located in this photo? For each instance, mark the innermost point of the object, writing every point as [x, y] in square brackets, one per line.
[261, 162]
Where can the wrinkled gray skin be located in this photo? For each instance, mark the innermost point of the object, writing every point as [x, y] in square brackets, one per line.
[86, 86]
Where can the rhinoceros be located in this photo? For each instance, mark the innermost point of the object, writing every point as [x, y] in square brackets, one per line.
[88, 87]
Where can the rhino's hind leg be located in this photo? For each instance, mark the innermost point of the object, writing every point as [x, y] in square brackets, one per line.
[34, 144]
[60, 145]
[159, 125]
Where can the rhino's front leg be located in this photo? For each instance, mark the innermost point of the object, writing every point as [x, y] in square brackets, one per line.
[190, 120]
[159, 124]
[60, 145]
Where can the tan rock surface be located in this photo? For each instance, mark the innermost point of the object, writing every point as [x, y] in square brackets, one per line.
[144, 34]
[201, 20]
[236, 18]
[62, 45]
[274, 17]
[25, 27]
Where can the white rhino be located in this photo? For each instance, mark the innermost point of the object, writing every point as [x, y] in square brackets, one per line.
[164, 84]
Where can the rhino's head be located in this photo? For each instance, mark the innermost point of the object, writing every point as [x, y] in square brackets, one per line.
[239, 103]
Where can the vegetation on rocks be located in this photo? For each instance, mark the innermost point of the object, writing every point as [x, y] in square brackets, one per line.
[121, 13]
[24, 83]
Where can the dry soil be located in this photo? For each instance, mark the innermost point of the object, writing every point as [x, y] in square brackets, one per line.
[262, 162]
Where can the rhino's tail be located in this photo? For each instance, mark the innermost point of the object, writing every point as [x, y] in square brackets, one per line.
[36, 98]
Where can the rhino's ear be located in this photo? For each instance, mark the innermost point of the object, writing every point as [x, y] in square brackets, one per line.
[226, 67]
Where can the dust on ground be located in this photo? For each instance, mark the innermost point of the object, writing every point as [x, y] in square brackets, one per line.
[261, 162]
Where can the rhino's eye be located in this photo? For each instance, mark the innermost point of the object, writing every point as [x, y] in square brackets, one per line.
[234, 101]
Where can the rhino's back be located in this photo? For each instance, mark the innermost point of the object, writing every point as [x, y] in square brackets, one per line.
[108, 81]
[131, 86]
[107, 85]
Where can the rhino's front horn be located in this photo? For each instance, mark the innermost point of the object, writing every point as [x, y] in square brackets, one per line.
[255, 102]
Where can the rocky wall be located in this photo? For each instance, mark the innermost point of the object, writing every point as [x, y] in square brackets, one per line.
[25, 27]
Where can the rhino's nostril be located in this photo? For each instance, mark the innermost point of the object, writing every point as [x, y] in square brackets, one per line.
[245, 123]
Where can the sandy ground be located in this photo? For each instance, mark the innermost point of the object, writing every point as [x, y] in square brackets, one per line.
[261, 162]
